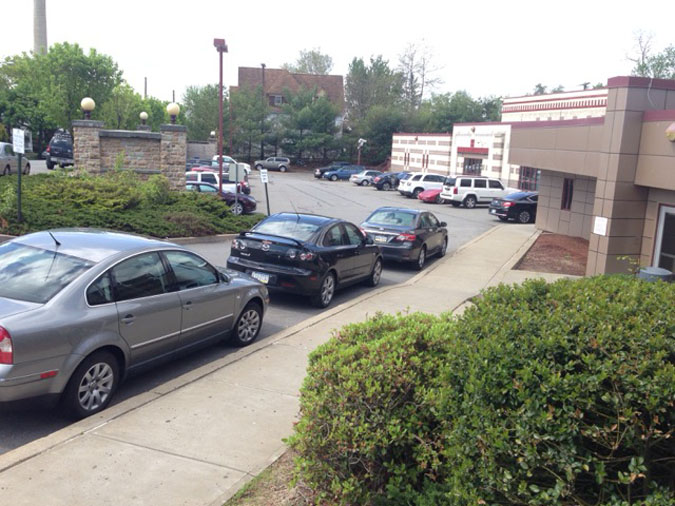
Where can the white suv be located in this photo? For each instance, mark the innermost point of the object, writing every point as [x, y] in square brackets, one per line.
[419, 182]
[472, 190]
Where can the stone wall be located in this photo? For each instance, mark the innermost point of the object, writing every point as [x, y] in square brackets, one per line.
[204, 150]
[96, 150]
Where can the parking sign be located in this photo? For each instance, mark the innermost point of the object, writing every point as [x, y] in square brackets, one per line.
[18, 140]
[263, 176]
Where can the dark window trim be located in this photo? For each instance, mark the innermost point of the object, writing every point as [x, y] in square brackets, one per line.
[567, 194]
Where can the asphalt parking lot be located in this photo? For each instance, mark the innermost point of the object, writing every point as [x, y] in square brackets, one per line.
[294, 192]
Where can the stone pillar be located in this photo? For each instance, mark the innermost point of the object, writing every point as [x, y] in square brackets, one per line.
[87, 145]
[173, 154]
[143, 128]
[617, 198]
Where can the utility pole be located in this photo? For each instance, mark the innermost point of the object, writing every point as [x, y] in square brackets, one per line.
[221, 47]
[262, 121]
[39, 27]
[145, 89]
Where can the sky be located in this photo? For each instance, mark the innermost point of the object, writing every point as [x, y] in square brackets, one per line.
[487, 48]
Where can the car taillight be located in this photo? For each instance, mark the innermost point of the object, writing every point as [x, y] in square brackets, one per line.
[405, 237]
[49, 149]
[454, 191]
[238, 244]
[508, 204]
[6, 348]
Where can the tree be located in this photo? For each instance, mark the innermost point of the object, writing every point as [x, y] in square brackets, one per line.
[311, 62]
[369, 85]
[122, 109]
[416, 65]
[201, 107]
[646, 64]
[539, 89]
[248, 112]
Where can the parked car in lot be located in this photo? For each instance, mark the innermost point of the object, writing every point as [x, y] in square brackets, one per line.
[407, 235]
[81, 309]
[208, 176]
[333, 166]
[239, 204]
[307, 254]
[227, 163]
[342, 174]
[472, 190]
[280, 163]
[431, 196]
[388, 180]
[9, 161]
[519, 206]
[418, 182]
[365, 177]
[59, 151]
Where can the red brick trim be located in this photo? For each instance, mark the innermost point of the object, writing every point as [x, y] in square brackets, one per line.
[473, 151]
[423, 134]
[660, 115]
[641, 82]
[536, 101]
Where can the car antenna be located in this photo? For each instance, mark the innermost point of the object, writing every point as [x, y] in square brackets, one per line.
[52, 236]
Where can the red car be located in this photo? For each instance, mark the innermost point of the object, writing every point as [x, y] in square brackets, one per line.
[431, 196]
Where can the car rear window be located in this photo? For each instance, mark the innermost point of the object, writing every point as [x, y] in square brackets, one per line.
[34, 274]
[61, 143]
[287, 226]
[388, 217]
[450, 181]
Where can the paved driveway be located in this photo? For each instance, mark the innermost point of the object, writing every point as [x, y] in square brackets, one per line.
[292, 191]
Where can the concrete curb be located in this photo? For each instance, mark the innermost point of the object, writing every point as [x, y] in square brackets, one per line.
[82, 427]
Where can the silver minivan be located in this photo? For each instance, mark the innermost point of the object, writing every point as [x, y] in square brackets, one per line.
[9, 161]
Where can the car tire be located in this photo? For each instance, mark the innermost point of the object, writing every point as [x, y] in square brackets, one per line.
[237, 209]
[248, 325]
[26, 169]
[416, 192]
[365, 182]
[386, 186]
[439, 199]
[333, 178]
[258, 167]
[375, 274]
[50, 165]
[454, 204]
[444, 248]
[7, 171]
[421, 259]
[324, 296]
[524, 217]
[92, 385]
[283, 168]
[470, 202]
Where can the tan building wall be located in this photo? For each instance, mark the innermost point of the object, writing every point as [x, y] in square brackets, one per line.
[576, 221]
[555, 106]
[421, 152]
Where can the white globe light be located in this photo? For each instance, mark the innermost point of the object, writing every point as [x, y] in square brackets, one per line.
[173, 109]
[87, 104]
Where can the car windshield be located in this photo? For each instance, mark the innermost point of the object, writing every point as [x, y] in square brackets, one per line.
[34, 274]
[388, 217]
[287, 226]
[450, 181]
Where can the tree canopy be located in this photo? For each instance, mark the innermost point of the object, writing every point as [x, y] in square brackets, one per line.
[311, 61]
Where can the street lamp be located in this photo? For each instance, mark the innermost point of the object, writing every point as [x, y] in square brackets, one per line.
[144, 117]
[87, 104]
[360, 144]
[173, 109]
[221, 47]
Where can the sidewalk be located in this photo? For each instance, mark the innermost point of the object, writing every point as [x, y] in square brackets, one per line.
[197, 439]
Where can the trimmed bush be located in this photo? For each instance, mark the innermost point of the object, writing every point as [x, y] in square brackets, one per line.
[539, 394]
[118, 200]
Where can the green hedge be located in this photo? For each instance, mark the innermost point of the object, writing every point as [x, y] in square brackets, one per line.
[539, 394]
[118, 200]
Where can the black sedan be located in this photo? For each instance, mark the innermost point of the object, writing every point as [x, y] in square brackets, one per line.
[307, 254]
[244, 203]
[519, 206]
[407, 235]
[388, 180]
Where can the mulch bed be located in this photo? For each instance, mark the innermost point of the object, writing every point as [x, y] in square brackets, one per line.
[559, 254]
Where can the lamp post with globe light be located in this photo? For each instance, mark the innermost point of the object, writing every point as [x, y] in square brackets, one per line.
[87, 104]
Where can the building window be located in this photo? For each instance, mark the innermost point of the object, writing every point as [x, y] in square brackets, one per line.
[529, 179]
[567, 193]
[664, 254]
[472, 166]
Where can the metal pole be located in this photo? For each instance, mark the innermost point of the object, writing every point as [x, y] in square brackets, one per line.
[231, 123]
[18, 193]
[220, 125]
[262, 120]
[267, 198]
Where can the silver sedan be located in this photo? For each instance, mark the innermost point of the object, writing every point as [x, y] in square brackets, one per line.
[81, 309]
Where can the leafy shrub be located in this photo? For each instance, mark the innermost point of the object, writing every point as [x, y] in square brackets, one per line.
[539, 394]
[118, 200]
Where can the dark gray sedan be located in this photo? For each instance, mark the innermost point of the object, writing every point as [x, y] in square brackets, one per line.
[80, 309]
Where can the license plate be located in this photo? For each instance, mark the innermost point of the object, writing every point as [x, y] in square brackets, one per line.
[263, 277]
[380, 238]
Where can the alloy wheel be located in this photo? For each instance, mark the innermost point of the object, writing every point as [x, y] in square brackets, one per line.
[96, 386]
[248, 326]
[421, 259]
[327, 290]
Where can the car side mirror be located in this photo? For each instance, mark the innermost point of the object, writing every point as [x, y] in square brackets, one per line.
[224, 277]
[368, 240]
[444, 224]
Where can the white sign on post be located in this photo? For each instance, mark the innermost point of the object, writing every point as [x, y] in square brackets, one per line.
[600, 225]
[18, 140]
[263, 176]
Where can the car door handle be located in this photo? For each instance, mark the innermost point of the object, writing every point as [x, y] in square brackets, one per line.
[188, 305]
[128, 319]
